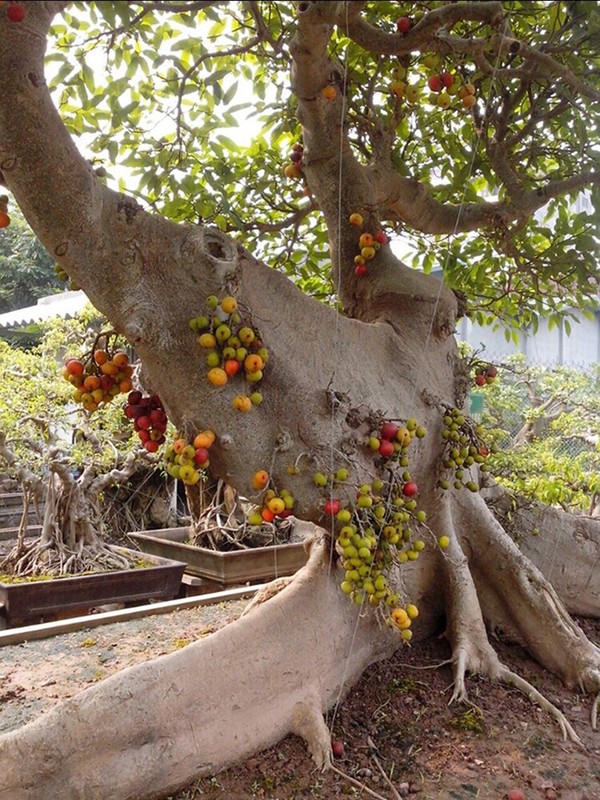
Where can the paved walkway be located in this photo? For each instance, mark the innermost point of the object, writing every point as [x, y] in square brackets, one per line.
[35, 675]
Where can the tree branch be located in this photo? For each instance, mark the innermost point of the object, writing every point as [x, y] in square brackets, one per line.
[24, 475]
[423, 36]
[118, 475]
[409, 201]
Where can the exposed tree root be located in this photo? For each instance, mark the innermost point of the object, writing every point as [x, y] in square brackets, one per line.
[491, 586]
[521, 605]
[211, 704]
[564, 547]
[512, 679]
[277, 669]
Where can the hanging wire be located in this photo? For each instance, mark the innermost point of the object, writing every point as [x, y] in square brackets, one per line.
[337, 281]
[359, 615]
[421, 362]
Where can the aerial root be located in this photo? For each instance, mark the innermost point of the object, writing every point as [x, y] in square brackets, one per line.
[594, 715]
[308, 723]
[459, 694]
[506, 676]
[512, 679]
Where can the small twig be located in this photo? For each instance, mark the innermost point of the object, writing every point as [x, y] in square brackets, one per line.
[428, 666]
[357, 783]
[384, 774]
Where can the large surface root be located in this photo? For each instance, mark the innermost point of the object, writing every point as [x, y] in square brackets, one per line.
[564, 547]
[154, 727]
[492, 587]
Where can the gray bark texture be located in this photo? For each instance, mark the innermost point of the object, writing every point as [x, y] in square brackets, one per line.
[331, 380]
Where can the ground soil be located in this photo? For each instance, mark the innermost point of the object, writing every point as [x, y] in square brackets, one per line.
[399, 735]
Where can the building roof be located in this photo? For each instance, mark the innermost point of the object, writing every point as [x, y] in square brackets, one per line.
[64, 304]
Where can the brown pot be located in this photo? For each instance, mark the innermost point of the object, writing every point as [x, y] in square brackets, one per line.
[226, 568]
[43, 601]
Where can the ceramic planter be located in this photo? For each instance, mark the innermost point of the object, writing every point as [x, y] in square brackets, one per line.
[228, 568]
[42, 601]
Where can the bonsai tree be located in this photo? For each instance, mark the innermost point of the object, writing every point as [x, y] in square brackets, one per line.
[361, 418]
[545, 424]
[64, 465]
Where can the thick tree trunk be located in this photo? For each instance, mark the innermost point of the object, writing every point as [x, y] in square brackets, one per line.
[329, 384]
[564, 547]
[154, 727]
[144, 732]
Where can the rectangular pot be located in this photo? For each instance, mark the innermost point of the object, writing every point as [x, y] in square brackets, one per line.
[227, 568]
[32, 601]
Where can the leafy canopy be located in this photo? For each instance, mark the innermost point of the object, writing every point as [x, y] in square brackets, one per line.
[157, 91]
[37, 412]
[26, 268]
[546, 426]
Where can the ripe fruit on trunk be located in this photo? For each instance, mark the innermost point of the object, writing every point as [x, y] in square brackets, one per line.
[435, 83]
[200, 456]
[276, 505]
[292, 171]
[204, 439]
[386, 448]
[217, 376]
[389, 430]
[74, 366]
[253, 363]
[242, 402]
[260, 479]
[332, 506]
[403, 24]
[15, 12]
[232, 367]
[229, 304]
[410, 489]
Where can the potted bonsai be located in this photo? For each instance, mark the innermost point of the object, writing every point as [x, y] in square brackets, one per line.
[70, 564]
[222, 544]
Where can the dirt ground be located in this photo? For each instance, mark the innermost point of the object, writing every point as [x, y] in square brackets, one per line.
[400, 738]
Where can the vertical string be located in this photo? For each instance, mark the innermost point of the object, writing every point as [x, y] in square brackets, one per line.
[337, 281]
[335, 345]
[421, 362]
[429, 333]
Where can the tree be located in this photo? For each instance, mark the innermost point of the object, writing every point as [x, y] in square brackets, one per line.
[546, 424]
[469, 178]
[26, 269]
[60, 459]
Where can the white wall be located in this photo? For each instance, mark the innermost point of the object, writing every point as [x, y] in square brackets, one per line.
[546, 347]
